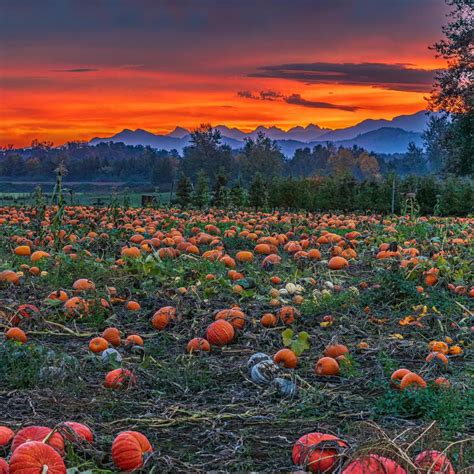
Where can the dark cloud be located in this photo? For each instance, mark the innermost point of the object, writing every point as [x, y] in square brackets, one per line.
[296, 99]
[261, 95]
[398, 77]
[82, 69]
[293, 99]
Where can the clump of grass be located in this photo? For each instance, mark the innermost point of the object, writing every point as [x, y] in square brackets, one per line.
[449, 407]
[29, 366]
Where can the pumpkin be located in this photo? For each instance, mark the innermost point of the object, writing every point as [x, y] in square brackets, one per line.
[264, 372]
[111, 355]
[437, 356]
[235, 316]
[163, 317]
[412, 380]
[76, 306]
[134, 339]
[98, 344]
[198, 344]
[133, 306]
[35, 457]
[130, 252]
[39, 255]
[6, 435]
[318, 452]
[38, 433]
[336, 350]
[129, 449]
[337, 263]
[268, 320]
[326, 366]
[83, 284]
[256, 358]
[80, 430]
[434, 462]
[285, 387]
[374, 464]
[112, 335]
[16, 334]
[287, 314]
[438, 346]
[9, 276]
[23, 251]
[220, 333]
[397, 376]
[244, 256]
[442, 382]
[4, 468]
[58, 295]
[120, 378]
[286, 357]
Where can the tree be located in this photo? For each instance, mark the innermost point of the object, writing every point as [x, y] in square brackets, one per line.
[454, 86]
[342, 161]
[238, 196]
[368, 165]
[183, 190]
[434, 138]
[201, 191]
[258, 192]
[220, 193]
[206, 153]
[263, 156]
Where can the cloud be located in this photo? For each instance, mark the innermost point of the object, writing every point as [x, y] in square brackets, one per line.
[293, 99]
[296, 99]
[82, 69]
[261, 95]
[397, 77]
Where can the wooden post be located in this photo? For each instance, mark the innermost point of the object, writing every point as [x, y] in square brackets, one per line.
[393, 195]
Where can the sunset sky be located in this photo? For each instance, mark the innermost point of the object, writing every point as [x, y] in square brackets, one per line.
[75, 69]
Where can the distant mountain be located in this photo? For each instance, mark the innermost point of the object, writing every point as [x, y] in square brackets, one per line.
[380, 136]
[178, 132]
[411, 123]
[384, 140]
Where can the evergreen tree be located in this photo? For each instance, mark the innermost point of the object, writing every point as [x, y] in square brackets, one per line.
[201, 191]
[220, 193]
[238, 196]
[184, 190]
[454, 87]
[258, 192]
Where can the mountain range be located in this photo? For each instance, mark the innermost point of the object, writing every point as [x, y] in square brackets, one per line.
[379, 136]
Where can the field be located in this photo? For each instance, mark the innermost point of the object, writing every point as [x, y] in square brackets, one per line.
[376, 293]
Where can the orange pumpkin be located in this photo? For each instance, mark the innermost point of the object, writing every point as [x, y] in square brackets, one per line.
[326, 366]
[337, 263]
[16, 334]
[112, 335]
[286, 357]
[220, 333]
[98, 344]
[198, 344]
[36, 457]
[129, 449]
[38, 433]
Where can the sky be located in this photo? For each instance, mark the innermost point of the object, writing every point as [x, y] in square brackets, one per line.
[76, 69]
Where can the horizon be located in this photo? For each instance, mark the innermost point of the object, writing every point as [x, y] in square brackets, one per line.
[79, 74]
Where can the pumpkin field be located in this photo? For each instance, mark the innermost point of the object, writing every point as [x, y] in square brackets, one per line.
[163, 340]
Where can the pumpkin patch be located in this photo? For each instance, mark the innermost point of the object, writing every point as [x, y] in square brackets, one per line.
[203, 340]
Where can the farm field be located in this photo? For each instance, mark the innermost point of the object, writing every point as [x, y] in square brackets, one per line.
[224, 337]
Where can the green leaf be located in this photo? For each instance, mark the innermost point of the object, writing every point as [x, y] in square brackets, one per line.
[298, 347]
[287, 336]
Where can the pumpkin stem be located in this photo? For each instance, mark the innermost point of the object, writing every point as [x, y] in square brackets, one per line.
[45, 469]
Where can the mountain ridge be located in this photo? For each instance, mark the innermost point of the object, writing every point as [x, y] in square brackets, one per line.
[377, 135]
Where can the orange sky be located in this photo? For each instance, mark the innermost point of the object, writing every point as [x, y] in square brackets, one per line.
[98, 74]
